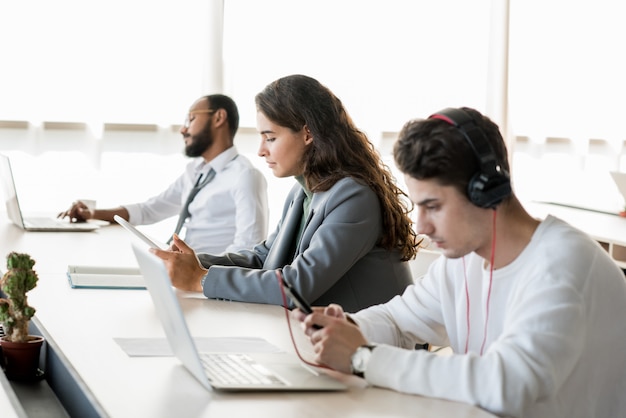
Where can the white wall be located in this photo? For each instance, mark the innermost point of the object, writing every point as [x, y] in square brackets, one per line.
[95, 63]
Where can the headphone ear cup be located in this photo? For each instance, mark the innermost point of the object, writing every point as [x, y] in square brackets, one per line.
[490, 185]
[488, 191]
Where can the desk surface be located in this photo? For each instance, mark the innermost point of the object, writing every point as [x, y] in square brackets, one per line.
[600, 226]
[609, 230]
[9, 404]
[84, 322]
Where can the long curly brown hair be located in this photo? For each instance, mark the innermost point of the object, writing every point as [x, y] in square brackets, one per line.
[339, 150]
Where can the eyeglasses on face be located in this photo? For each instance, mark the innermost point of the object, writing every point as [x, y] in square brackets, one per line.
[190, 118]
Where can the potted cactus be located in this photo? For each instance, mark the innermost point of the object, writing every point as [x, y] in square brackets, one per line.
[20, 351]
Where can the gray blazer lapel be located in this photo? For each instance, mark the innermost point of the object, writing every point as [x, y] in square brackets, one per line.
[282, 251]
[317, 205]
[306, 225]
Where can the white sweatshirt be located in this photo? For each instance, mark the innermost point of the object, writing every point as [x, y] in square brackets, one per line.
[556, 331]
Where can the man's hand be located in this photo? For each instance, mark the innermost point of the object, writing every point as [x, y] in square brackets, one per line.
[78, 212]
[336, 340]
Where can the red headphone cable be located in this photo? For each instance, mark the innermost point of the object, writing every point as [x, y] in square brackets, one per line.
[293, 340]
[467, 298]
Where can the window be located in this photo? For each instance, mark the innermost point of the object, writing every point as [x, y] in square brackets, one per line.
[120, 61]
[388, 61]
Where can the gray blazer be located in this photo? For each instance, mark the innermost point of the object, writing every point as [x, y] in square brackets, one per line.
[335, 261]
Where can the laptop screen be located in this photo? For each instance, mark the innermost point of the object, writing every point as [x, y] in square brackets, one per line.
[9, 193]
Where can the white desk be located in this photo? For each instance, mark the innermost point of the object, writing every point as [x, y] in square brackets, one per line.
[81, 325]
[9, 403]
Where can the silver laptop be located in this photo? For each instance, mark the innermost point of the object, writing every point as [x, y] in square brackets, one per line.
[611, 205]
[224, 371]
[14, 212]
[619, 179]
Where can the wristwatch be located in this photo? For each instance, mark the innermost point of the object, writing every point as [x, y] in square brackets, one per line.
[360, 358]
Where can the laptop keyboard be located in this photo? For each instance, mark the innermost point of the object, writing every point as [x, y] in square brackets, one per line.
[55, 224]
[237, 369]
[45, 223]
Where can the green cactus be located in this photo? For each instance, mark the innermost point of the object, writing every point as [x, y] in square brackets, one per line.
[15, 313]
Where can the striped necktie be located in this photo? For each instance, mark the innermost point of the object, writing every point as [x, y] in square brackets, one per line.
[184, 213]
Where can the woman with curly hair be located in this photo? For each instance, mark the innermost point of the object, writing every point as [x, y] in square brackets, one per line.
[344, 236]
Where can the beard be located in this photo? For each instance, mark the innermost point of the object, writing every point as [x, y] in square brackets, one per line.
[200, 142]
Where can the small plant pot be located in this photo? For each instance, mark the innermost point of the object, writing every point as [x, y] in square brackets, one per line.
[20, 361]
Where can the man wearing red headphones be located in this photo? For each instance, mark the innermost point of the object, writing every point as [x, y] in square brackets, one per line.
[533, 310]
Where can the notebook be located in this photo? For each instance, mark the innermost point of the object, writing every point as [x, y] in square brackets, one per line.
[14, 212]
[224, 371]
[104, 277]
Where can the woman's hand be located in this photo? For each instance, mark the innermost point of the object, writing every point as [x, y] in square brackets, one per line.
[183, 266]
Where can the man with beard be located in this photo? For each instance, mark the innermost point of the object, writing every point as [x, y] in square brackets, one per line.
[228, 208]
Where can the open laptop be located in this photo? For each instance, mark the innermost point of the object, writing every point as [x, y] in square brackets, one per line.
[619, 179]
[605, 201]
[14, 212]
[224, 371]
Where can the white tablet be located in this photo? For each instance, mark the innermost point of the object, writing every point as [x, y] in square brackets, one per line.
[131, 228]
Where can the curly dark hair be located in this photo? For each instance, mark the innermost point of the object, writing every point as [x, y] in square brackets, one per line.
[339, 150]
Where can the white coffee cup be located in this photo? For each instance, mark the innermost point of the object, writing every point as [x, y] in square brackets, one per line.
[90, 203]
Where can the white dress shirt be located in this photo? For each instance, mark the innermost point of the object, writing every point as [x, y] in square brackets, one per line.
[229, 214]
